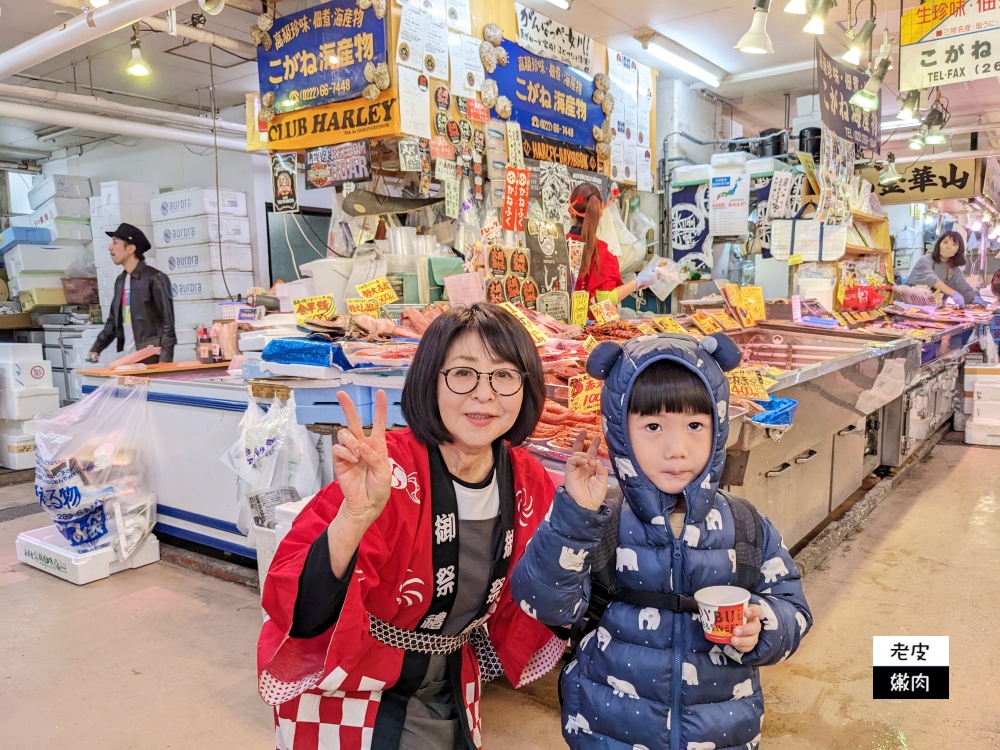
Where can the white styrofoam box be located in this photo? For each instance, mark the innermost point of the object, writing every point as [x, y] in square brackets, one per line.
[195, 313]
[198, 230]
[986, 410]
[202, 286]
[982, 432]
[805, 121]
[20, 376]
[96, 207]
[119, 191]
[17, 452]
[21, 352]
[207, 257]
[27, 403]
[136, 214]
[48, 550]
[180, 204]
[60, 208]
[692, 173]
[987, 390]
[63, 185]
[806, 105]
[14, 428]
[34, 258]
[106, 278]
[977, 373]
[25, 281]
[68, 231]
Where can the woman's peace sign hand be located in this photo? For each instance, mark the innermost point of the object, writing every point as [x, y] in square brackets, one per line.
[586, 477]
[361, 464]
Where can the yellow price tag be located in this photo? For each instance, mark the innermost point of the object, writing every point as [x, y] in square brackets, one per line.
[753, 301]
[358, 306]
[580, 302]
[322, 306]
[605, 312]
[378, 289]
[646, 328]
[768, 381]
[669, 325]
[584, 394]
[795, 260]
[726, 321]
[590, 344]
[747, 384]
[706, 323]
[538, 336]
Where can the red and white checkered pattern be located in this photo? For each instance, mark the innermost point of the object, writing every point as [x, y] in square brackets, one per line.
[472, 689]
[327, 721]
[542, 661]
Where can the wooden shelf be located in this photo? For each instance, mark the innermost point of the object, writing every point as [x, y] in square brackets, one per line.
[862, 250]
[867, 218]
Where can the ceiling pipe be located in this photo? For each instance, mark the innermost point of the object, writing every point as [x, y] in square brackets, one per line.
[244, 49]
[953, 155]
[84, 28]
[908, 131]
[84, 121]
[113, 92]
[106, 106]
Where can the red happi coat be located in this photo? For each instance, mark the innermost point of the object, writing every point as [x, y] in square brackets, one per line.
[327, 690]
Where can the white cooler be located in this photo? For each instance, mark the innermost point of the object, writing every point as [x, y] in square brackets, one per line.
[207, 257]
[209, 286]
[47, 549]
[28, 402]
[181, 204]
[68, 231]
[36, 258]
[198, 230]
[62, 185]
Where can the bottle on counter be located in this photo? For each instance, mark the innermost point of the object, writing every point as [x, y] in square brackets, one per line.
[204, 346]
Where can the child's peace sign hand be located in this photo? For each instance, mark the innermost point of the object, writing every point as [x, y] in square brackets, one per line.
[586, 477]
[361, 463]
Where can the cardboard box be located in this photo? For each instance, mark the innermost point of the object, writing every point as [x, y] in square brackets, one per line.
[200, 230]
[62, 185]
[16, 322]
[181, 204]
[40, 258]
[33, 298]
[207, 257]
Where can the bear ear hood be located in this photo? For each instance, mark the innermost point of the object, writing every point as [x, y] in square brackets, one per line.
[619, 366]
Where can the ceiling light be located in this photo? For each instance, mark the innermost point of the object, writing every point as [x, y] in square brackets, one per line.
[137, 66]
[756, 40]
[817, 19]
[98, 3]
[798, 7]
[932, 128]
[917, 139]
[867, 98]
[935, 137]
[659, 51]
[853, 54]
[890, 175]
[910, 106]
[976, 225]
[563, 4]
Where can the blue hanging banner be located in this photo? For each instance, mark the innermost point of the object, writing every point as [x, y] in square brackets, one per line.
[549, 98]
[318, 56]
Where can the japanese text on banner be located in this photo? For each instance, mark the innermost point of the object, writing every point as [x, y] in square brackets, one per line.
[379, 290]
[516, 191]
[949, 41]
[837, 84]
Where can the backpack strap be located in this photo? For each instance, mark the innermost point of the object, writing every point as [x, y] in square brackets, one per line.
[749, 543]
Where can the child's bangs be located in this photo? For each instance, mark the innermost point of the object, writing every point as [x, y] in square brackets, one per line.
[667, 386]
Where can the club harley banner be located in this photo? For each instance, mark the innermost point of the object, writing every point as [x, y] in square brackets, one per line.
[335, 123]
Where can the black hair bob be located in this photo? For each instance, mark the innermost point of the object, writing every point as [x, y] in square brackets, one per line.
[958, 261]
[503, 336]
[668, 386]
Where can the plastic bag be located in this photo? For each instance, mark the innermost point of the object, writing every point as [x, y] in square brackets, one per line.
[91, 471]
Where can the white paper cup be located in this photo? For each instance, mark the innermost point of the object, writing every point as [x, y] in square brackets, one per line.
[722, 608]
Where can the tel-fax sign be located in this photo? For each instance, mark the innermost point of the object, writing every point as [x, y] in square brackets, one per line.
[949, 41]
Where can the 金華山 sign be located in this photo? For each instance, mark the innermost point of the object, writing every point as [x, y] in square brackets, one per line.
[545, 37]
[319, 55]
[550, 98]
[335, 123]
[949, 41]
[927, 181]
[837, 84]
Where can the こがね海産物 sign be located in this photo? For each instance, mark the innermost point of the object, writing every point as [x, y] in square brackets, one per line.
[949, 41]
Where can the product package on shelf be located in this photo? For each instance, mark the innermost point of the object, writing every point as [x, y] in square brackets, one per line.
[61, 185]
[198, 230]
[91, 471]
[182, 204]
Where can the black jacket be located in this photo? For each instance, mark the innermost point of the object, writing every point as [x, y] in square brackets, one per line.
[152, 311]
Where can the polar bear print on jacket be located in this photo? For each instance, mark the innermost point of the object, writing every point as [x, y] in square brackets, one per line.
[767, 618]
[801, 620]
[586, 639]
[733, 654]
[713, 520]
[626, 559]
[754, 743]
[772, 569]
[570, 560]
[622, 688]
[742, 689]
[649, 619]
[577, 724]
[529, 610]
[625, 468]
[732, 558]
[692, 534]
[603, 638]
[701, 746]
[689, 673]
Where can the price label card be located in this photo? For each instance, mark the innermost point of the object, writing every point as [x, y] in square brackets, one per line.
[768, 381]
[604, 312]
[726, 321]
[796, 308]
[669, 325]
[322, 306]
[706, 323]
[590, 344]
[359, 306]
[584, 394]
[795, 260]
[646, 328]
[580, 302]
[378, 289]
[538, 336]
[747, 384]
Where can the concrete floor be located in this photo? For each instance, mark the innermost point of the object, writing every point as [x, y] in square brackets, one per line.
[164, 658]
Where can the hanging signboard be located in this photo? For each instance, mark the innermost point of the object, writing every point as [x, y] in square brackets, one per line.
[991, 182]
[729, 203]
[549, 98]
[327, 166]
[283, 169]
[544, 149]
[547, 38]
[928, 181]
[335, 123]
[837, 84]
[517, 185]
[551, 185]
[319, 55]
[948, 42]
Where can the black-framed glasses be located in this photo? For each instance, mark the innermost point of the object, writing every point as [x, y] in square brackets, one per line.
[463, 380]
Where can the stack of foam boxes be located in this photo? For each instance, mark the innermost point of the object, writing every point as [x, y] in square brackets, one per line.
[26, 390]
[983, 425]
[202, 240]
[119, 203]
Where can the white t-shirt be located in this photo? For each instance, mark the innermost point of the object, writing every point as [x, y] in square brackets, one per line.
[478, 504]
[127, 316]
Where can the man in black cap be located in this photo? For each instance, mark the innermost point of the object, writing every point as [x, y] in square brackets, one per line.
[142, 310]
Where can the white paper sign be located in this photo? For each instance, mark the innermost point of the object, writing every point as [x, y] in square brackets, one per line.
[433, 7]
[545, 37]
[410, 45]
[729, 203]
[779, 202]
[467, 72]
[460, 16]
[414, 103]
[435, 58]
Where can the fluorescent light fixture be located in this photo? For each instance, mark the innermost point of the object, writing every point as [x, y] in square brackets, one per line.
[660, 52]
[890, 175]
[853, 54]
[867, 98]
[798, 7]
[756, 40]
[910, 106]
[137, 66]
[817, 19]
[931, 128]
[98, 3]
[917, 139]
[935, 137]
[899, 124]
[563, 4]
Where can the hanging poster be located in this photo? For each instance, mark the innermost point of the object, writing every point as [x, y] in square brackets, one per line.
[991, 182]
[547, 38]
[837, 84]
[283, 168]
[515, 199]
[327, 166]
[927, 181]
[549, 98]
[414, 103]
[690, 238]
[550, 262]
[319, 55]
[729, 203]
[547, 149]
[460, 16]
[467, 71]
[948, 42]
[335, 123]
[551, 185]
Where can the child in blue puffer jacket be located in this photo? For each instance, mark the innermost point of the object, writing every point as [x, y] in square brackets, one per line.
[647, 678]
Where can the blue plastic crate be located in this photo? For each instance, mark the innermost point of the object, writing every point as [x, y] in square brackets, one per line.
[777, 411]
[360, 394]
[330, 414]
[24, 235]
[395, 418]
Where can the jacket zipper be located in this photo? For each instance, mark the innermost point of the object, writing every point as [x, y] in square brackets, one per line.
[678, 647]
